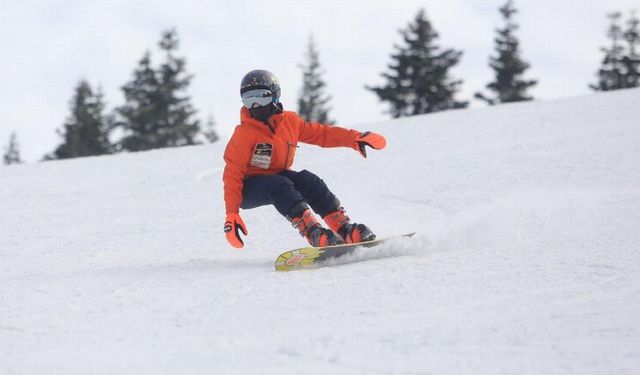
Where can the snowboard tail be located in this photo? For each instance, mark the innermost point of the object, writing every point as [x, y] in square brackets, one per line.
[308, 257]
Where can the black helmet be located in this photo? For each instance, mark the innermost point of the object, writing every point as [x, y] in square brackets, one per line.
[262, 81]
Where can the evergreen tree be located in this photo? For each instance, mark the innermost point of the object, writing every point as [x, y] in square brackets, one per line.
[157, 113]
[631, 61]
[312, 104]
[418, 80]
[139, 112]
[611, 72]
[86, 131]
[209, 131]
[509, 86]
[12, 151]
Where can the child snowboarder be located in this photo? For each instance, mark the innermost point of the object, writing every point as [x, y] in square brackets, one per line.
[258, 158]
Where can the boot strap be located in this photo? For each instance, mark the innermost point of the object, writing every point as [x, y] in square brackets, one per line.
[304, 222]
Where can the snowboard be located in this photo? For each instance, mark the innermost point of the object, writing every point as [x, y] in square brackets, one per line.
[308, 257]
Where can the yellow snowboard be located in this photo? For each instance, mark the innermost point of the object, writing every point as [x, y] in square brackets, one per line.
[308, 257]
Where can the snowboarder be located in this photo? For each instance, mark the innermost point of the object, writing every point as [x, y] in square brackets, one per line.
[258, 158]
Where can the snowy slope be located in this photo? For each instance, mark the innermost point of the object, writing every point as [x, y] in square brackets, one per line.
[526, 260]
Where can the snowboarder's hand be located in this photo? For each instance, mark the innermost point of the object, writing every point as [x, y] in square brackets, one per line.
[373, 140]
[232, 227]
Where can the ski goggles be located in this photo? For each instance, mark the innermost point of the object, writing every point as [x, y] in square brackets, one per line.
[257, 98]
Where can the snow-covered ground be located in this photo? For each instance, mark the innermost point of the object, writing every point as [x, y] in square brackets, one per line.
[526, 262]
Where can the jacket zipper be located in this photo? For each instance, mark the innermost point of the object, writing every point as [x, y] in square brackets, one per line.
[286, 160]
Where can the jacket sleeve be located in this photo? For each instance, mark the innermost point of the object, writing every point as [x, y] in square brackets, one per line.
[236, 157]
[324, 135]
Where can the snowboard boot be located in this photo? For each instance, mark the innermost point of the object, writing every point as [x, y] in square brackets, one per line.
[312, 230]
[339, 222]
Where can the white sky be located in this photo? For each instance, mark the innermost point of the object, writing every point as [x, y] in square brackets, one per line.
[46, 47]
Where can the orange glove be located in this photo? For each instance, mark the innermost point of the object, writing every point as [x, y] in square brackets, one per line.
[373, 140]
[232, 225]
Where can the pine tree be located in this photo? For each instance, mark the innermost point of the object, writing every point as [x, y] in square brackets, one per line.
[86, 130]
[156, 113]
[312, 104]
[509, 86]
[138, 114]
[418, 80]
[611, 72]
[209, 131]
[12, 151]
[631, 61]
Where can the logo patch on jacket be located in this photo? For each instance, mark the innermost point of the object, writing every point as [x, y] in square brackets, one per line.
[262, 155]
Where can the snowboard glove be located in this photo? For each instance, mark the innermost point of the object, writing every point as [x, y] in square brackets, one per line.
[373, 140]
[232, 227]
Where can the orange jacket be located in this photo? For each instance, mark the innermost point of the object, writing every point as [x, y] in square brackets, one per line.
[257, 148]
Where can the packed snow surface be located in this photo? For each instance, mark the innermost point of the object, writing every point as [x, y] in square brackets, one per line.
[526, 261]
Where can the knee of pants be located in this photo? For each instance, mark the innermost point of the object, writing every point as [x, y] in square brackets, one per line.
[310, 178]
[283, 195]
[317, 193]
[280, 186]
